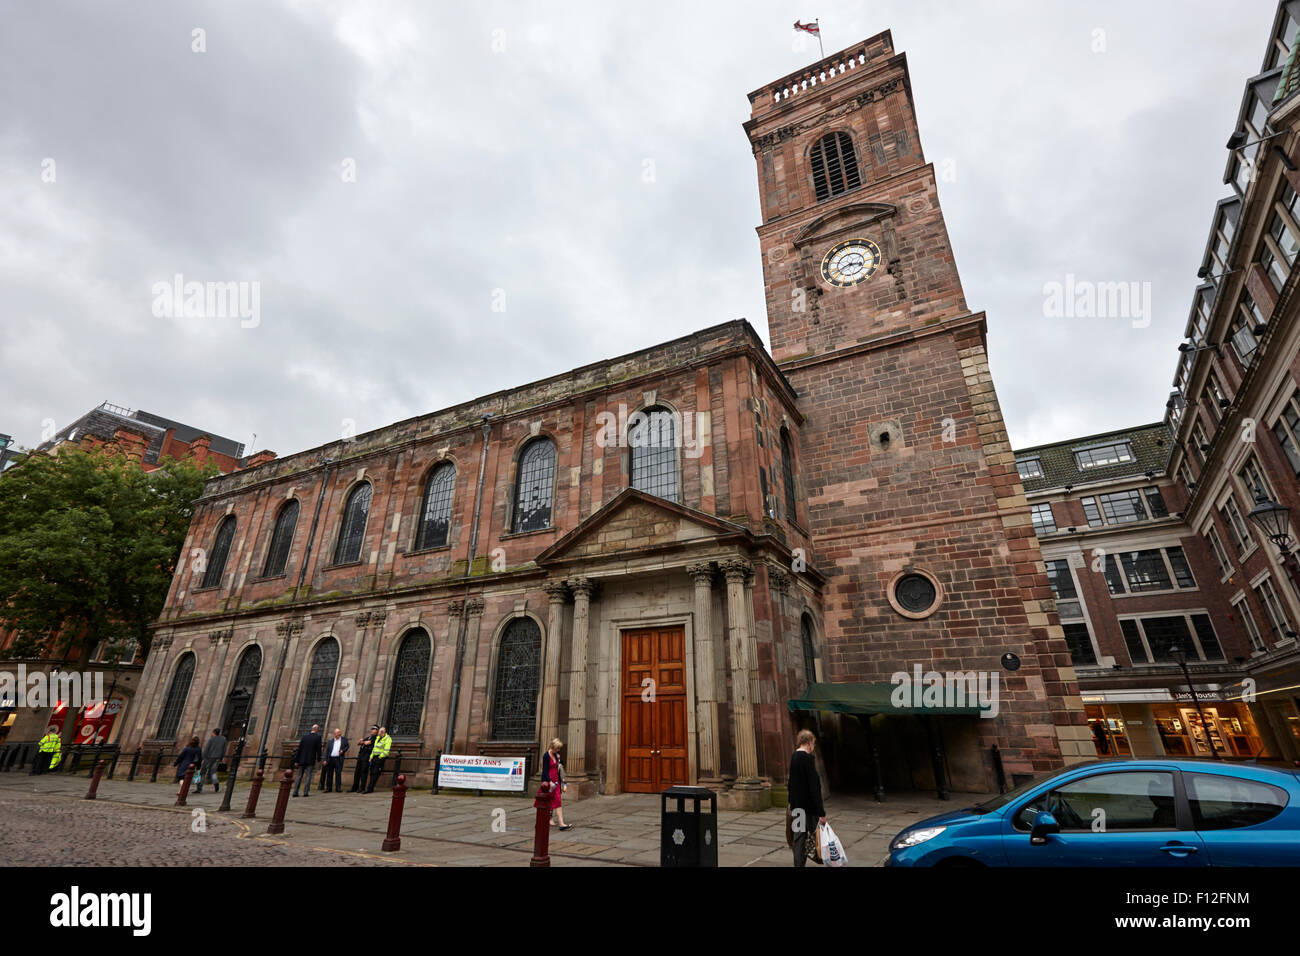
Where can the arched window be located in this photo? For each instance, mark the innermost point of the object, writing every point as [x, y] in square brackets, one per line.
[435, 512]
[353, 531]
[239, 702]
[277, 555]
[652, 438]
[809, 657]
[535, 483]
[834, 166]
[518, 677]
[787, 475]
[320, 685]
[176, 696]
[410, 675]
[220, 551]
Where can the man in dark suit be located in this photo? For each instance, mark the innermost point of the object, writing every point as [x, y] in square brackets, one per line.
[805, 786]
[335, 748]
[363, 761]
[308, 756]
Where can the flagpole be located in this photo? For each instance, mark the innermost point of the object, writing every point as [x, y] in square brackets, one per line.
[820, 48]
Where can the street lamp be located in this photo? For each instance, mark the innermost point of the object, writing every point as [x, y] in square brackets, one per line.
[1180, 657]
[1275, 521]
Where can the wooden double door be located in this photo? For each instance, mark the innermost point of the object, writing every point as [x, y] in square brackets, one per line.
[654, 709]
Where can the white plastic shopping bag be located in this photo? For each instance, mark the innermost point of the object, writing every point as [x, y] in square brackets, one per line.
[832, 849]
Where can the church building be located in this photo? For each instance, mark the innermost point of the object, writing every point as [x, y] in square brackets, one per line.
[677, 558]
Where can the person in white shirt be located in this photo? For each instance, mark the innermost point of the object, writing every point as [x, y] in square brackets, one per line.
[335, 747]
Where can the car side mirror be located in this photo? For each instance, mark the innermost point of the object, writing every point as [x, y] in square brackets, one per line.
[1044, 824]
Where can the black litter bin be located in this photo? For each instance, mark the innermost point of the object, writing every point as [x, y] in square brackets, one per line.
[688, 834]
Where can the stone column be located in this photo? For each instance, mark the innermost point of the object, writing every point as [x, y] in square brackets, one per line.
[706, 696]
[576, 745]
[473, 611]
[557, 592]
[737, 572]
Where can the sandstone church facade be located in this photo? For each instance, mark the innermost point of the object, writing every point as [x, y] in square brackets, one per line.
[676, 558]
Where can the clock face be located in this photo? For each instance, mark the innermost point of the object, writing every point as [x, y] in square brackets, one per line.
[850, 262]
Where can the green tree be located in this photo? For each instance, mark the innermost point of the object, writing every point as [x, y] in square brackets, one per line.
[88, 546]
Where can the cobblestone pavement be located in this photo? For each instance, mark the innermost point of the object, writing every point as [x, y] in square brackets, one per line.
[44, 829]
[445, 829]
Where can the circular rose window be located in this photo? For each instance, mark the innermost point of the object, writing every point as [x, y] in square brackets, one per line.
[914, 594]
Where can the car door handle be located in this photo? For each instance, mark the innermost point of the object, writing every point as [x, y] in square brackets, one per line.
[1179, 848]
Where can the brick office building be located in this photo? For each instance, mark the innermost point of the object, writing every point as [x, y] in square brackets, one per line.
[147, 440]
[761, 539]
[1148, 532]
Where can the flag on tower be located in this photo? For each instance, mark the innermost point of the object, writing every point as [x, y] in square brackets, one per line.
[815, 29]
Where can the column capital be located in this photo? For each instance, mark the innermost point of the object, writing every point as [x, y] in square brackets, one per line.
[778, 580]
[582, 587]
[702, 573]
[455, 609]
[557, 592]
[474, 606]
[737, 570]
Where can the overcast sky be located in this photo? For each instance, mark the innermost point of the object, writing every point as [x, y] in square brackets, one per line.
[390, 174]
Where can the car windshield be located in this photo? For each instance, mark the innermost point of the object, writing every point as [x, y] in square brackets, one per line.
[1000, 800]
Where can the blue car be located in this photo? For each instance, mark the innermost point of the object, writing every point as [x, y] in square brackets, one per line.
[1168, 813]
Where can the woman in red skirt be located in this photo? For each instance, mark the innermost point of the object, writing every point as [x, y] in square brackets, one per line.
[553, 772]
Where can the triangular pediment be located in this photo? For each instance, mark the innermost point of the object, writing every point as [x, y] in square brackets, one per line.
[853, 216]
[636, 521]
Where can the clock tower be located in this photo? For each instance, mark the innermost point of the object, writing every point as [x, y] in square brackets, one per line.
[915, 508]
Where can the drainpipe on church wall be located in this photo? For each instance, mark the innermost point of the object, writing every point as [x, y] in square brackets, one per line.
[464, 614]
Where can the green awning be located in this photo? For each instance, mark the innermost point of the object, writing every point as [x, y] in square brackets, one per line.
[872, 697]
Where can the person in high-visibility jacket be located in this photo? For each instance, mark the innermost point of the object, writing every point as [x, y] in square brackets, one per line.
[47, 751]
[378, 753]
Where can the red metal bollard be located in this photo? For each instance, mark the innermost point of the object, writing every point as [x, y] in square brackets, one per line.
[184, 791]
[542, 833]
[94, 781]
[281, 804]
[250, 810]
[393, 841]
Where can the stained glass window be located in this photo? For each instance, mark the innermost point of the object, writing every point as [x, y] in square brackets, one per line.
[216, 566]
[435, 512]
[277, 555]
[535, 485]
[353, 531]
[320, 685]
[411, 674]
[809, 657]
[652, 437]
[518, 678]
[176, 696]
[787, 476]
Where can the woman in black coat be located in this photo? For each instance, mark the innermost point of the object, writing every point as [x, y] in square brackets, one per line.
[191, 756]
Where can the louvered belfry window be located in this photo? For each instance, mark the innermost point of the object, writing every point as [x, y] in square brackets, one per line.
[354, 525]
[406, 707]
[277, 555]
[220, 551]
[535, 484]
[176, 695]
[518, 679]
[320, 685]
[435, 514]
[652, 438]
[834, 166]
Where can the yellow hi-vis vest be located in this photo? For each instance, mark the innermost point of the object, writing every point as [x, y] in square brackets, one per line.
[50, 744]
[382, 746]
